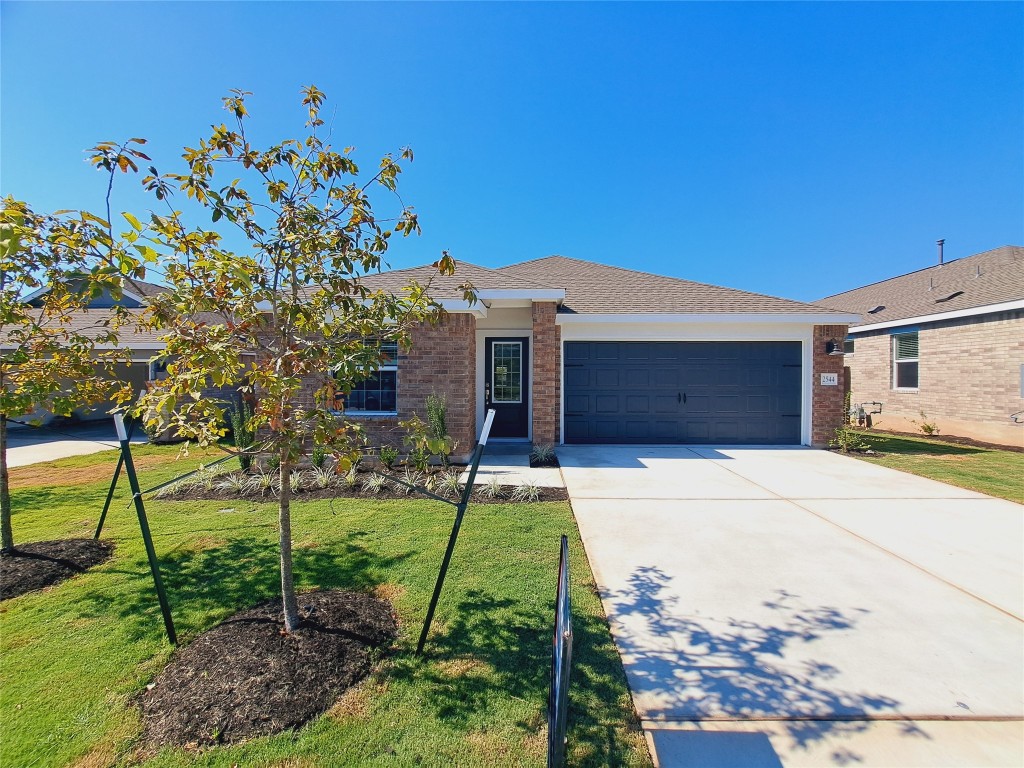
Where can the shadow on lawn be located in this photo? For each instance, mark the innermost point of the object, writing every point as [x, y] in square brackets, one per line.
[496, 648]
[902, 446]
[228, 577]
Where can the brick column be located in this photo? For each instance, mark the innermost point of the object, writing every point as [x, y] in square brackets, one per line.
[547, 373]
[827, 402]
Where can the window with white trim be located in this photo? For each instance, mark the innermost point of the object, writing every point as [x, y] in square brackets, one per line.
[904, 360]
[377, 394]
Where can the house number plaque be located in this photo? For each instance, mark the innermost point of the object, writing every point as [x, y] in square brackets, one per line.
[830, 379]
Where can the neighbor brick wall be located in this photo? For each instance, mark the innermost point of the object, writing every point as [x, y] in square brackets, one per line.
[547, 372]
[968, 377]
[827, 409]
[442, 361]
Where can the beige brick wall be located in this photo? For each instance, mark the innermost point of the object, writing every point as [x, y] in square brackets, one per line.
[827, 401]
[547, 374]
[968, 377]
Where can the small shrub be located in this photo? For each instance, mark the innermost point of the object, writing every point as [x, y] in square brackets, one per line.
[542, 454]
[412, 477]
[318, 457]
[351, 479]
[296, 481]
[243, 433]
[232, 483]
[170, 491]
[927, 427]
[846, 439]
[388, 456]
[526, 491]
[323, 477]
[375, 483]
[448, 483]
[263, 482]
[273, 462]
[492, 489]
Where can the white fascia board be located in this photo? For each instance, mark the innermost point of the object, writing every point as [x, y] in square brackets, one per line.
[824, 318]
[46, 289]
[984, 310]
[736, 331]
[531, 294]
[457, 306]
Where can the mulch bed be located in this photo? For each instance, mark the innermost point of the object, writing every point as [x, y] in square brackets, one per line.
[45, 563]
[246, 678]
[198, 494]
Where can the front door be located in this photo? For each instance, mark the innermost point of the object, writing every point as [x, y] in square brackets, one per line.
[507, 384]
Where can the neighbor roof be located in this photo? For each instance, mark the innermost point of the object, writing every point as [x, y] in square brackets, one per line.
[992, 277]
[599, 289]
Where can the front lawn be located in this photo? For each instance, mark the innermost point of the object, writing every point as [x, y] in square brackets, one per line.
[72, 657]
[987, 470]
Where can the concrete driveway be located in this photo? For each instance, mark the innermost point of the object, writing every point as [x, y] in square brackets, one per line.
[791, 607]
[31, 445]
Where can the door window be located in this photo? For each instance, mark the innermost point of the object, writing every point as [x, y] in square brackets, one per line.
[507, 372]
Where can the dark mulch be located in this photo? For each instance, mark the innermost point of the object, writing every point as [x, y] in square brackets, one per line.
[552, 462]
[44, 563]
[198, 494]
[245, 678]
[953, 439]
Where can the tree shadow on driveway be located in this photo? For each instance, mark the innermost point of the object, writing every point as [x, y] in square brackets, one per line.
[701, 669]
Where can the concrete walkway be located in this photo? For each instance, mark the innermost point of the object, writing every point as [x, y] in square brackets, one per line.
[31, 445]
[791, 607]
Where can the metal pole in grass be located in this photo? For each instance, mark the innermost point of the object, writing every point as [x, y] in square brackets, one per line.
[460, 511]
[147, 537]
[113, 485]
[561, 661]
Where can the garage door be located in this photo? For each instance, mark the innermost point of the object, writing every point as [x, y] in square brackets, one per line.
[682, 392]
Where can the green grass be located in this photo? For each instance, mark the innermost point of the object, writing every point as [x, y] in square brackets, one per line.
[987, 470]
[73, 657]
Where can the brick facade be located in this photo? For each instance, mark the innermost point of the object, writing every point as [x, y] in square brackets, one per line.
[442, 361]
[547, 374]
[827, 401]
[969, 377]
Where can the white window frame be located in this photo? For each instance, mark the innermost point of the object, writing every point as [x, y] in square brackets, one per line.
[494, 359]
[392, 366]
[896, 361]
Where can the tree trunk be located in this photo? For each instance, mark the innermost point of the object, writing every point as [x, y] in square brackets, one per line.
[291, 609]
[7, 535]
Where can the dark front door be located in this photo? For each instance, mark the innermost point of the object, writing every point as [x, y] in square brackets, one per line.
[507, 384]
[682, 392]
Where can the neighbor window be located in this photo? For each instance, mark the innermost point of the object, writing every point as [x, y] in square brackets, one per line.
[848, 347]
[904, 357]
[379, 392]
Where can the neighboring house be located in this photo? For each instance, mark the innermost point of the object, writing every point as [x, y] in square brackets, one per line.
[568, 351]
[943, 345]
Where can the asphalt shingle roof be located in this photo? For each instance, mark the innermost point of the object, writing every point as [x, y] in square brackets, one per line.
[992, 277]
[447, 286]
[600, 289]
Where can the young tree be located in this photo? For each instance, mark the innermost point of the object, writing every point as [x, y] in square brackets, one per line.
[285, 315]
[54, 355]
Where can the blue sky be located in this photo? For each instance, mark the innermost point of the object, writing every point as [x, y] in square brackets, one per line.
[795, 149]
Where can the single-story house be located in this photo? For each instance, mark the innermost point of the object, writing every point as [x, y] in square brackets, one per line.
[943, 346]
[569, 351]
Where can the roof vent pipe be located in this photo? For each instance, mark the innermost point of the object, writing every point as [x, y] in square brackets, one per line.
[940, 243]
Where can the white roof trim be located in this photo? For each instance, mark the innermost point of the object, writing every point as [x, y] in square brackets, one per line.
[46, 289]
[522, 294]
[983, 310]
[461, 306]
[822, 318]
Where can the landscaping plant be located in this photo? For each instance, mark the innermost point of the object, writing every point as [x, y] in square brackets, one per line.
[388, 456]
[243, 433]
